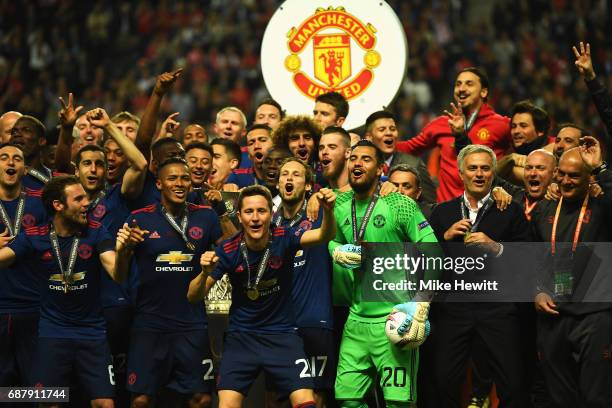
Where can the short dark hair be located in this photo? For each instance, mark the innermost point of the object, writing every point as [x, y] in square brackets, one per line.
[89, 148]
[336, 100]
[308, 173]
[254, 190]
[169, 161]
[407, 169]
[261, 126]
[381, 114]
[272, 102]
[11, 144]
[583, 131]
[541, 120]
[163, 141]
[55, 189]
[292, 123]
[481, 74]
[346, 137]
[199, 145]
[232, 148]
[39, 128]
[380, 158]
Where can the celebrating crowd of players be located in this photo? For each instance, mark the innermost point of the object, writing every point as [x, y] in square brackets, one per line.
[109, 250]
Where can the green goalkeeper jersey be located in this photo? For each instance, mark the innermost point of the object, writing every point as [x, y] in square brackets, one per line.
[395, 218]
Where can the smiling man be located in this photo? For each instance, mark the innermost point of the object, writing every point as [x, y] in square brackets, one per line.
[259, 141]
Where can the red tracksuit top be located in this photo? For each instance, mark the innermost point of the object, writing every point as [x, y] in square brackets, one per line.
[489, 129]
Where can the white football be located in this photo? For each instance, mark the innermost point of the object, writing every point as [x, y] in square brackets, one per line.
[393, 322]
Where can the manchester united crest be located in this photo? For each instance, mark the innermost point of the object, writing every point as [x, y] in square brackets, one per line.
[332, 32]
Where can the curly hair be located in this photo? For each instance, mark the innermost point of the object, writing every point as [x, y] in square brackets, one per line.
[293, 123]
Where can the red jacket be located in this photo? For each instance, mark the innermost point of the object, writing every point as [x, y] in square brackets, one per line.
[489, 129]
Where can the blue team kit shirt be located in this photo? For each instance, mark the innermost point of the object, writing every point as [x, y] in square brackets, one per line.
[311, 290]
[245, 160]
[272, 311]
[150, 194]
[244, 178]
[166, 266]
[33, 185]
[20, 283]
[111, 211]
[76, 314]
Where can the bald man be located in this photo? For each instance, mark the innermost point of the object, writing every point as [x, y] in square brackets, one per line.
[7, 121]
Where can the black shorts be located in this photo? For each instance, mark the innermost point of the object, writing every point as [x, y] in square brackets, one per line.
[321, 354]
[280, 356]
[180, 361]
[18, 337]
[58, 361]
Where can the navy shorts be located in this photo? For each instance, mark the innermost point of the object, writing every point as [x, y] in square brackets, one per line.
[321, 353]
[280, 356]
[18, 336]
[59, 361]
[180, 361]
[118, 325]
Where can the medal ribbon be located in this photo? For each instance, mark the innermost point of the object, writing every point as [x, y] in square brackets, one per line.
[479, 215]
[67, 272]
[182, 229]
[44, 178]
[279, 215]
[358, 236]
[553, 238]
[529, 208]
[263, 263]
[470, 122]
[14, 228]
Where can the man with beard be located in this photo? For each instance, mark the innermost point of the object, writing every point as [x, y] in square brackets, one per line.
[19, 285]
[29, 134]
[568, 136]
[334, 152]
[271, 167]
[574, 335]
[331, 109]
[381, 130]
[260, 263]
[365, 349]
[269, 113]
[528, 127]
[71, 254]
[472, 218]
[226, 158]
[482, 125]
[259, 141]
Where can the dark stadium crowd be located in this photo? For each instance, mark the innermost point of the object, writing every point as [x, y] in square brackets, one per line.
[156, 202]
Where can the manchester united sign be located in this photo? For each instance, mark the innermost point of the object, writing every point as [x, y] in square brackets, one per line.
[356, 48]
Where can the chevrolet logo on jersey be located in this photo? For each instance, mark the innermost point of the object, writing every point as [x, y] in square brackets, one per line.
[174, 257]
[58, 277]
[57, 282]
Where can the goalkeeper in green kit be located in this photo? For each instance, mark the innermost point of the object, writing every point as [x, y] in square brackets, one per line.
[363, 216]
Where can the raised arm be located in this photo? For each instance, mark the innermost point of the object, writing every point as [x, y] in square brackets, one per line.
[201, 284]
[117, 262]
[67, 115]
[148, 123]
[327, 231]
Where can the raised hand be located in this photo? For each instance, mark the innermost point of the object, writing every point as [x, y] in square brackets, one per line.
[208, 261]
[590, 151]
[327, 198]
[169, 126]
[68, 114]
[129, 237]
[98, 117]
[165, 81]
[583, 62]
[456, 118]
[458, 229]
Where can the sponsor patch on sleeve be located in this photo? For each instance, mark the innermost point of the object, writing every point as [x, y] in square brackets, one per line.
[423, 225]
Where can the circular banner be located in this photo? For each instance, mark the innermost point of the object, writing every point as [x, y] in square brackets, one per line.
[356, 48]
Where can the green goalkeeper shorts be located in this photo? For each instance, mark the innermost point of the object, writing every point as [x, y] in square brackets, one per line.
[366, 353]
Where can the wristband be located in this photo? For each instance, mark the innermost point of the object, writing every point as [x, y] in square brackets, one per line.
[602, 167]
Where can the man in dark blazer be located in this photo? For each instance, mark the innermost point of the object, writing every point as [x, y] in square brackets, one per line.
[474, 220]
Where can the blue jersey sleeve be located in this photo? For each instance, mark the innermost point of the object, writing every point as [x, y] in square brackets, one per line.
[221, 267]
[105, 241]
[21, 245]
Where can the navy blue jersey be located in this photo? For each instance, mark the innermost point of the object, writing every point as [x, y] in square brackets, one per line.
[244, 178]
[76, 314]
[311, 291]
[320, 181]
[272, 311]
[166, 266]
[111, 211]
[20, 283]
[150, 194]
[245, 160]
[34, 185]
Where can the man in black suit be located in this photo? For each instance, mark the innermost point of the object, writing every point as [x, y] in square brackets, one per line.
[474, 220]
[381, 130]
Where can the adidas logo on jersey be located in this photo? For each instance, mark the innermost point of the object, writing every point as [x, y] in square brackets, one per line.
[154, 234]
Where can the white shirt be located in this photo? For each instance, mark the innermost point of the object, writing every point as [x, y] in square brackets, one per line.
[474, 212]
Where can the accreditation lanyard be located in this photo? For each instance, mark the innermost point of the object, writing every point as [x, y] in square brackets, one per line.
[68, 271]
[44, 178]
[529, 208]
[470, 122]
[99, 197]
[14, 227]
[553, 238]
[279, 215]
[359, 234]
[465, 212]
[252, 290]
[182, 229]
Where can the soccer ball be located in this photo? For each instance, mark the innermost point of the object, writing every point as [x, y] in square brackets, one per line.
[394, 320]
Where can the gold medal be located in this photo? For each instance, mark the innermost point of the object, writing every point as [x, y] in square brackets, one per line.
[253, 293]
[65, 287]
[466, 236]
